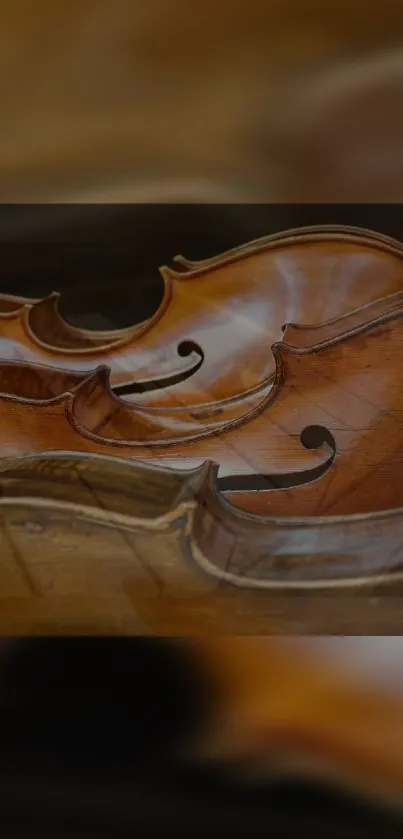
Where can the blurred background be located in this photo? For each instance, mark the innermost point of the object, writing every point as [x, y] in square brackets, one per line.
[227, 100]
[92, 731]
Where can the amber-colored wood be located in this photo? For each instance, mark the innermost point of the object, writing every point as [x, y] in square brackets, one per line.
[209, 340]
[326, 432]
[340, 376]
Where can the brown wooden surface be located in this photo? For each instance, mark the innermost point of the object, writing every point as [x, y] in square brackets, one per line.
[106, 545]
[339, 379]
[295, 485]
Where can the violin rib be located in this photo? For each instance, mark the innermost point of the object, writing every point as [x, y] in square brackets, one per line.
[40, 322]
[152, 545]
[11, 306]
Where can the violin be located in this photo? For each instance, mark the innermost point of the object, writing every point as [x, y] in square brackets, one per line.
[321, 438]
[209, 340]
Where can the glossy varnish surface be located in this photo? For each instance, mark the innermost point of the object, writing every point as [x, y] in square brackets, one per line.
[288, 493]
[322, 438]
[210, 338]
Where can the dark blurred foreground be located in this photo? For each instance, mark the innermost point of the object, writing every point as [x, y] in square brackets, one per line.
[91, 741]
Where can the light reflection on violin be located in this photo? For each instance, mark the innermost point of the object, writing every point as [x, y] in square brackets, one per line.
[324, 431]
[210, 338]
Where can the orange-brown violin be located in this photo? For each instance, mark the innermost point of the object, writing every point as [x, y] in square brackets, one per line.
[323, 438]
[208, 341]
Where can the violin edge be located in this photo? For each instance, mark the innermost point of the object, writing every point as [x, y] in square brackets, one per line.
[210, 528]
[289, 236]
[78, 340]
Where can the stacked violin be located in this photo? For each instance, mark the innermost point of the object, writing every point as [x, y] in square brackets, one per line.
[231, 465]
[245, 443]
[253, 426]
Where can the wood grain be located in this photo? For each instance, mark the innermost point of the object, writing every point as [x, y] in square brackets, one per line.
[321, 438]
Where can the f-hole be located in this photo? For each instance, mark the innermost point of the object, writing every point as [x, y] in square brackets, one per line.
[312, 437]
[185, 350]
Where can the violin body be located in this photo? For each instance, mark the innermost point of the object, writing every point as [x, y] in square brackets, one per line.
[300, 466]
[209, 340]
[321, 438]
[324, 383]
